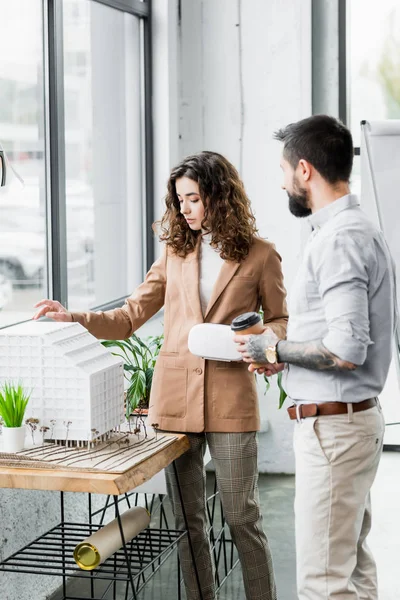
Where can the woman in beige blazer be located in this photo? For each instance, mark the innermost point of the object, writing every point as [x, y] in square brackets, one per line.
[213, 268]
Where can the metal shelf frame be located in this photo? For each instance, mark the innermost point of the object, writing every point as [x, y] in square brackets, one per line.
[131, 568]
[52, 554]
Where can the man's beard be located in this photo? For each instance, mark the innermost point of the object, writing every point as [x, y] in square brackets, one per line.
[298, 204]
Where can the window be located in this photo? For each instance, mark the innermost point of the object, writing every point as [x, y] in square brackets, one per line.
[22, 209]
[373, 48]
[103, 142]
[75, 125]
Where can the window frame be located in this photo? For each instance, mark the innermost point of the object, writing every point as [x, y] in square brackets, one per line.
[319, 10]
[57, 274]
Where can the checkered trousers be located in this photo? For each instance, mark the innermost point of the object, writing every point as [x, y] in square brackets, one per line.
[235, 461]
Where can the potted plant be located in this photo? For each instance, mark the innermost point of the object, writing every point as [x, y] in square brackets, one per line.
[13, 402]
[139, 360]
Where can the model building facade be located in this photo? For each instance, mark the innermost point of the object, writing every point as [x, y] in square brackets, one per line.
[76, 384]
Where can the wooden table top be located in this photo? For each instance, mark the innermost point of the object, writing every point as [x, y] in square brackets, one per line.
[46, 474]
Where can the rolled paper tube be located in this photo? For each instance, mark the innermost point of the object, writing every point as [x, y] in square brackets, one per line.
[99, 546]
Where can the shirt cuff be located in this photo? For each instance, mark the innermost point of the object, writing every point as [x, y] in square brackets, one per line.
[346, 347]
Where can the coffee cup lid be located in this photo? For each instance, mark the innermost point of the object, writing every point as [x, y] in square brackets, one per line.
[245, 320]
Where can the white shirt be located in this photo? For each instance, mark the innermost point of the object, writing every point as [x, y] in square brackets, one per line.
[343, 294]
[210, 266]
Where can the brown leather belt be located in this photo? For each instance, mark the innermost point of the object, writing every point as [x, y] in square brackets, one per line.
[302, 411]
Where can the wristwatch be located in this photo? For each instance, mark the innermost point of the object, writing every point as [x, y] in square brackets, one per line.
[271, 354]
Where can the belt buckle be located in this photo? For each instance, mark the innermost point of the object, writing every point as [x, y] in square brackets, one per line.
[299, 417]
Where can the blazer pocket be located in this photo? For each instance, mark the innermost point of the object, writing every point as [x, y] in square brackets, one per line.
[234, 394]
[169, 391]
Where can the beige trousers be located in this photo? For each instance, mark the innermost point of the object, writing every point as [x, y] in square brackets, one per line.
[336, 462]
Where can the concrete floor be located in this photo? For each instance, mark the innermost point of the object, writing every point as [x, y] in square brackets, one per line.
[276, 495]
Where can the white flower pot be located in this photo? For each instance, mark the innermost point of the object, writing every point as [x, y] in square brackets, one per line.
[13, 438]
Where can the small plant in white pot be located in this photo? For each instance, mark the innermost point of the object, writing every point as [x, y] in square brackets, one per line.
[13, 402]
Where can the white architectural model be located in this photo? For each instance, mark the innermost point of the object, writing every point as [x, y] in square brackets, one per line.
[77, 385]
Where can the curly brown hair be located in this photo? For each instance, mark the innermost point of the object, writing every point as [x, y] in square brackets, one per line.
[227, 212]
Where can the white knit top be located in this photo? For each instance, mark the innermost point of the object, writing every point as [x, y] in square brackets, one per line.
[210, 266]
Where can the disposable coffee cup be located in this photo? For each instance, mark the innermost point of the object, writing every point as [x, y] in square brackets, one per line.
[249, 323]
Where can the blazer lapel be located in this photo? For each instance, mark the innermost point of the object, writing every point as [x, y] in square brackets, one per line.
[226, 273]
[191, 279]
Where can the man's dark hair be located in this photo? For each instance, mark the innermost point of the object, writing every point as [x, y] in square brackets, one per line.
[322, 141]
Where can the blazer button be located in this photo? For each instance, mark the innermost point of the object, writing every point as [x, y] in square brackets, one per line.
[199, 371]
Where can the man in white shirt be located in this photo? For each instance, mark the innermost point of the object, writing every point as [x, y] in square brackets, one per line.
[336, 356]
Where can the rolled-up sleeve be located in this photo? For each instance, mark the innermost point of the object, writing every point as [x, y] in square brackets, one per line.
[342, 274]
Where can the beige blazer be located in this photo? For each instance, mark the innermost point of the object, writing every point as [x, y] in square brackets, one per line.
[190, 394]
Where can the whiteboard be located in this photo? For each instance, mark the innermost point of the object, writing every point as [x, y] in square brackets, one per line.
[380, 199]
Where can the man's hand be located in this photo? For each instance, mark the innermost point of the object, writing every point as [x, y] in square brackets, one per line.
[53, 310]
[268, 370]
[252, 348]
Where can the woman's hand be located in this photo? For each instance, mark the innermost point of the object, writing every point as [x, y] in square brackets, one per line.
[53, 310]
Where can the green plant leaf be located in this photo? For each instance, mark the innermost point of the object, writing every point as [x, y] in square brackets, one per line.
[13, 403]
[109, 343]
[267, 384]
[5, 412]
[126, 349]
[139, 358]
[140, 348]
[131, 368]
[136, 391]
[149, 379]
[282, 393]
[122, 345]
[155, 343]
[133, 347]
[140, 342]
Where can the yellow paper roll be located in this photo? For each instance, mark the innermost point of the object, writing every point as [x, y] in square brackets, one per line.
[99, 546]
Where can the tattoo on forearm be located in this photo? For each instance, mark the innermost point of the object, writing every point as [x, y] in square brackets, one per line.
[256, 348]
[312, 355]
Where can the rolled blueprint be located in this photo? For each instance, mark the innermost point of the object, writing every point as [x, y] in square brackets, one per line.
[95, 549]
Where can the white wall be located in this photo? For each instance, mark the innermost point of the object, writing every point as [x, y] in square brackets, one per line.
[244, 70]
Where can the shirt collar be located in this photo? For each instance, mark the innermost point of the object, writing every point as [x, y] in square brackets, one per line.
[325, 214]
